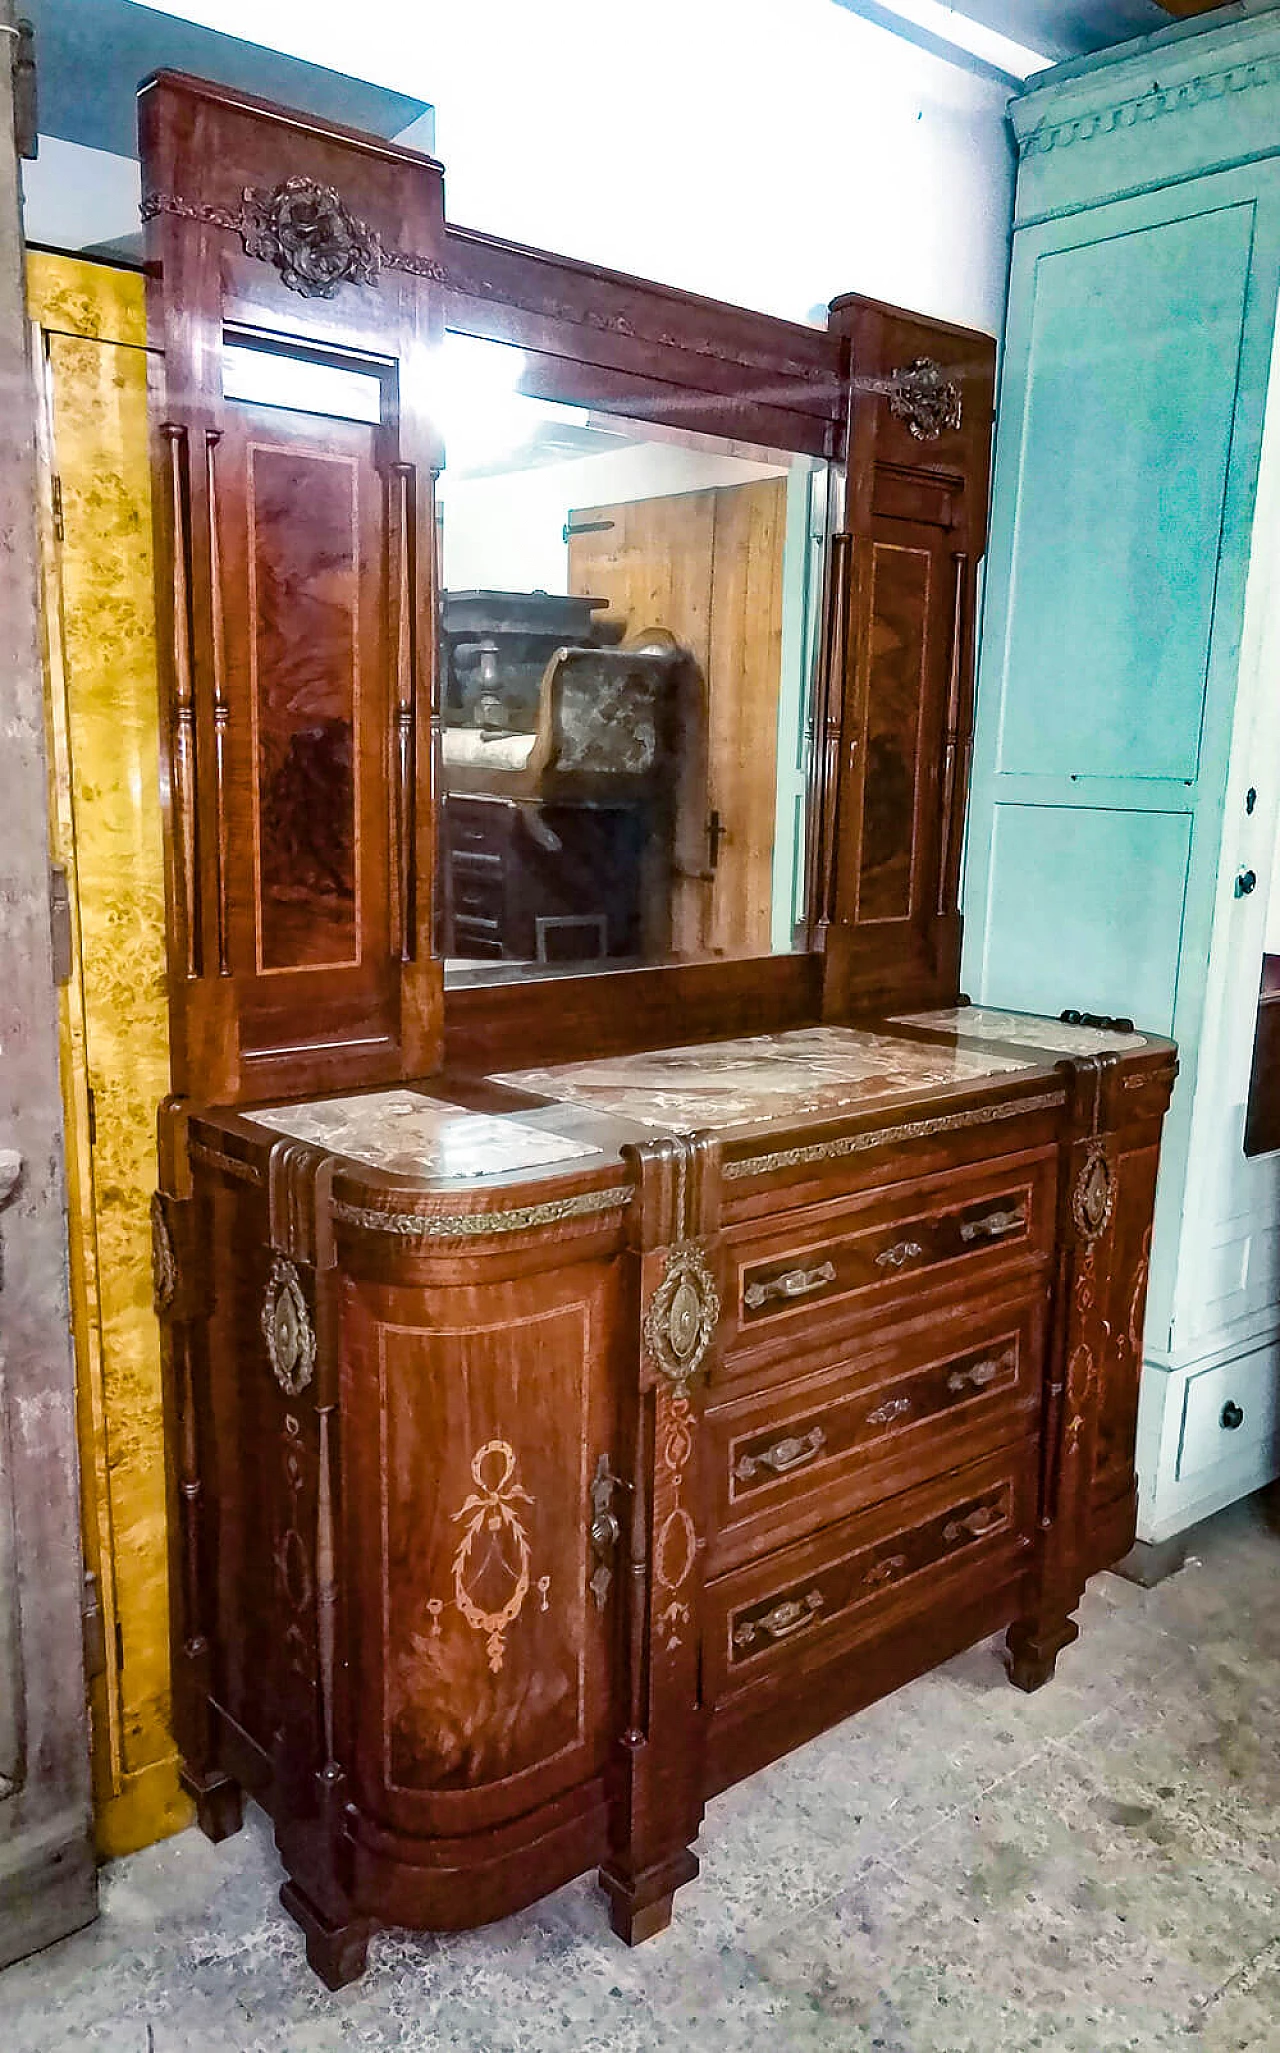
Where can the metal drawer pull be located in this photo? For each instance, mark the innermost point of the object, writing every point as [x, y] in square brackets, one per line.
[885, 1571]
[973, 1524]
[792, 1615]
[783, 1455]
[892, 1408]
[901, 1251]
[792, 1283]
[977, 1375]
[994, 1226]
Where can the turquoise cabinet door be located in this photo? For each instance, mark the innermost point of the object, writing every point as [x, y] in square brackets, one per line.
[1133, 358]
[1137, 357]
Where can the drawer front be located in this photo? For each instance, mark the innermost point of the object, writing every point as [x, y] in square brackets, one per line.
[808, 1602]
[890, 1413]
[1230, 1414]
[976, 1222]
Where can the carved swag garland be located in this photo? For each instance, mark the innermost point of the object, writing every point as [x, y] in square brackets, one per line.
[306, 231]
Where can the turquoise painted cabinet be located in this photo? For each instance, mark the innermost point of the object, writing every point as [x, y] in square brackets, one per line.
[1127, 748]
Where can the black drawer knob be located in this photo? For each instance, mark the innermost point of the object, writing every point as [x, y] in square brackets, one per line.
[1231, 1416]
[1246, 883]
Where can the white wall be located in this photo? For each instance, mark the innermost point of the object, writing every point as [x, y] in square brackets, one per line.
[505, 533]
[769, 152]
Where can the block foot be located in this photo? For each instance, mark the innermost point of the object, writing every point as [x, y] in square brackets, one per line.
[219, 1803]
[338, 1953]
[1032, 1651]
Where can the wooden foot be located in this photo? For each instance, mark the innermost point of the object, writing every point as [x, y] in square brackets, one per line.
[219, 1804]
[1033, 1650]
[640, 1907]
[337, 1952]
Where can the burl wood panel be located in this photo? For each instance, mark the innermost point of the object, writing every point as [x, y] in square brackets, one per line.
[100, 644]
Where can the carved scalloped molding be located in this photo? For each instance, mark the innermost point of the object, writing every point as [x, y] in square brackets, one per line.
[1088, 125]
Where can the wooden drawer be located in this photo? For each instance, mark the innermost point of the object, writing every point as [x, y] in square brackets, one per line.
[882, 1249]
[809, 1602]
[891, 1412]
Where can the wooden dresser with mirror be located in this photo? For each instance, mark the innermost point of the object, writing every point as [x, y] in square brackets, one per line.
[623, 1312]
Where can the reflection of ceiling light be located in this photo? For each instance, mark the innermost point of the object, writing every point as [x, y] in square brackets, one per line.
[475, 403]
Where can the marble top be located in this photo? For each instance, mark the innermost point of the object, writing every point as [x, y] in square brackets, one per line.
[815, 1071]
[1027, 1029]
[412, 1135]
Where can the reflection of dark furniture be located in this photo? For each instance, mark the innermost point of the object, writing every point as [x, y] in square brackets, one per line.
[1262, 1120]
[541, 883]
[497, 645]
[593, 821]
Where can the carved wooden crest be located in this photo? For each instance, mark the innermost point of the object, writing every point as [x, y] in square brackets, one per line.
[164, 1262]
[287, 1329]
[929, 403]
[682, 1315]
[307, 233]
[1093, 1199]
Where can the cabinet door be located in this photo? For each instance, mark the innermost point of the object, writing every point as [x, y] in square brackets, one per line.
[897, 716]
[473, 1419]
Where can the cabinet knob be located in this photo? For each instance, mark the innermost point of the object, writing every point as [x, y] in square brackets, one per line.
[1246, 882]
[1232, 1415]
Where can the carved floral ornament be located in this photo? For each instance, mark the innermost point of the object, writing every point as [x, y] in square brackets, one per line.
[287, 1329]
[306, 230]
[682, 1315]
[928, 403]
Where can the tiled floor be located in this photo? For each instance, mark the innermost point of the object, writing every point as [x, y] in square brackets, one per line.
[1096, 1867]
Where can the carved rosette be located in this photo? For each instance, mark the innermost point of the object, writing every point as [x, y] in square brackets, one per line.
[287, 1329]
[315, 243]
[928, 403]
[1093, 1199]
[682, 1315]
[164, 1262]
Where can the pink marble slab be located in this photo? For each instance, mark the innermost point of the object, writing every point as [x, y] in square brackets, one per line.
[813, 1071]
[1027, 1029]
[413, 1135]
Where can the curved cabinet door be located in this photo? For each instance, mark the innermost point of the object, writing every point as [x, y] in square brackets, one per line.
[474, 1415]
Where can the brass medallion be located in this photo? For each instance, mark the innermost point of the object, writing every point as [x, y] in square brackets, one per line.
[1094, 1196]
[287, 1329]
[682, 1315]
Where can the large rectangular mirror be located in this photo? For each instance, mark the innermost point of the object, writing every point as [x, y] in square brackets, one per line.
[629, 622]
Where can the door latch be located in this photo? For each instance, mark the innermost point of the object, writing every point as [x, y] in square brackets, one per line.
[604, 1530]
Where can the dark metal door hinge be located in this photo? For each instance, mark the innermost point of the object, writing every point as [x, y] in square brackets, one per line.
[95, 1637]
[59, 525]
[26, 120]
[91, 1108]
[60, 923]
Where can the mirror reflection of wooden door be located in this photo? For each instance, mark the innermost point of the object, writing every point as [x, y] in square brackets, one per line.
[708, 566]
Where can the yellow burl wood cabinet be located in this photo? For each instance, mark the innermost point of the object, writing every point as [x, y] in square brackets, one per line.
[92, 366]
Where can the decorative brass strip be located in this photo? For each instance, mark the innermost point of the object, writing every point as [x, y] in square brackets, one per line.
[474, 1225]
[215, 1159]
[880, 1136]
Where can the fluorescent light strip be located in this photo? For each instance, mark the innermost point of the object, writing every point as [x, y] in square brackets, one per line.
[952, 27]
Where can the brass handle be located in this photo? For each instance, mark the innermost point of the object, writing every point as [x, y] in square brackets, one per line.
[885, 1571]
[994, 1225]
[902, 1251]
[892, 1408]
[791, 1616]
[792, 1283]
[978, 1375]
[787, 1454]
[604, 1530]
[973, 1524]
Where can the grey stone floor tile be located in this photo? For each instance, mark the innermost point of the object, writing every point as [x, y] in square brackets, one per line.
[1093, 1868]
